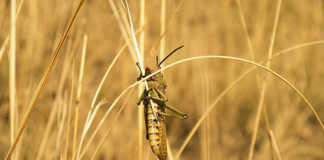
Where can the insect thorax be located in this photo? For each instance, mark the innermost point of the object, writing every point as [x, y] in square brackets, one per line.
[157, 81]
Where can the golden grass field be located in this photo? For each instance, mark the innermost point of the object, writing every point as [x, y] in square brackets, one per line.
[263, 115]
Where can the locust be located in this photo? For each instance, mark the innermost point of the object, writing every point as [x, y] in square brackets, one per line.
[155, 113]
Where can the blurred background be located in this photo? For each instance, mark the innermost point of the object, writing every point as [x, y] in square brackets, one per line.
[205, 28]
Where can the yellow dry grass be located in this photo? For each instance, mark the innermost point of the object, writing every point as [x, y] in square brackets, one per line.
[85, 112]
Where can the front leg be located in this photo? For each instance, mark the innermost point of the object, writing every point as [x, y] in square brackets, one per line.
[144, 94]
[141, 98]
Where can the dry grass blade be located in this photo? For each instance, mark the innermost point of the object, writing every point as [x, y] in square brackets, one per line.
[69, 116]
[138, 53]
[12, 75]
[76, 118]
[84, 53]
[141, 66]
[87, 126]
[128, 43]
[269, 130]
[259, 66]
[5, 43]
[103, 140]
[170, 154]
[3, 48]
[245, 29]
[54, 111]
[195, 128]
[209, 109]
[264, 85]
[78, 96]
[206, 113]
[140, 111]
[163, 29]
[102, 121]
[205, 137]
[106, 75]
[122, 28]
[44, 79]
[100, 87]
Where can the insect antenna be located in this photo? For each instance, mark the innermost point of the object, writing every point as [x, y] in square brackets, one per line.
[157, 61]
[159, 64]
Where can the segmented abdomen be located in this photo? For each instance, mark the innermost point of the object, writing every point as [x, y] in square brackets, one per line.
[157, 131]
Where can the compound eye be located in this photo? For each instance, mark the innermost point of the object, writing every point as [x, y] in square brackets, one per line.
[147, 71]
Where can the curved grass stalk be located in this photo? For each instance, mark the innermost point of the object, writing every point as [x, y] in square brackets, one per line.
[106, 75]
[203, 117]
[209, 109]
[195, 128]
[257, 65]
[102, 141]
[100, 87]
[87, 125]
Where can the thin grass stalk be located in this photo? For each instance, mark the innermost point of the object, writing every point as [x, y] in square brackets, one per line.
[93, 102]
[43, 80]
[78, 96]
[107, 133]
[172, 17]
[170, 153]
[235, 59]
[140, 64]
[55, 107]
[163, 29]
[86, 128]
[249, 41]
[264, 85]
[195, 128]
[138, 53]
[128, 43]
[3, 48]
[81, 72]
[123, 29]
[190, 135]
[100, 87]
[140, 59]
[75, 131]
[273, 140]
[269, 130]
[69, 117]
[140, 111]
[299, 46]
[5, 43]
[61, 123]
[206, 113]
[205, 130]
[12, 75]
[203, 117]
[47, 132]
[124, 20]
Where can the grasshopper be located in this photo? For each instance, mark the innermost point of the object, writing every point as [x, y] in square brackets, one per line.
[155, 116]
